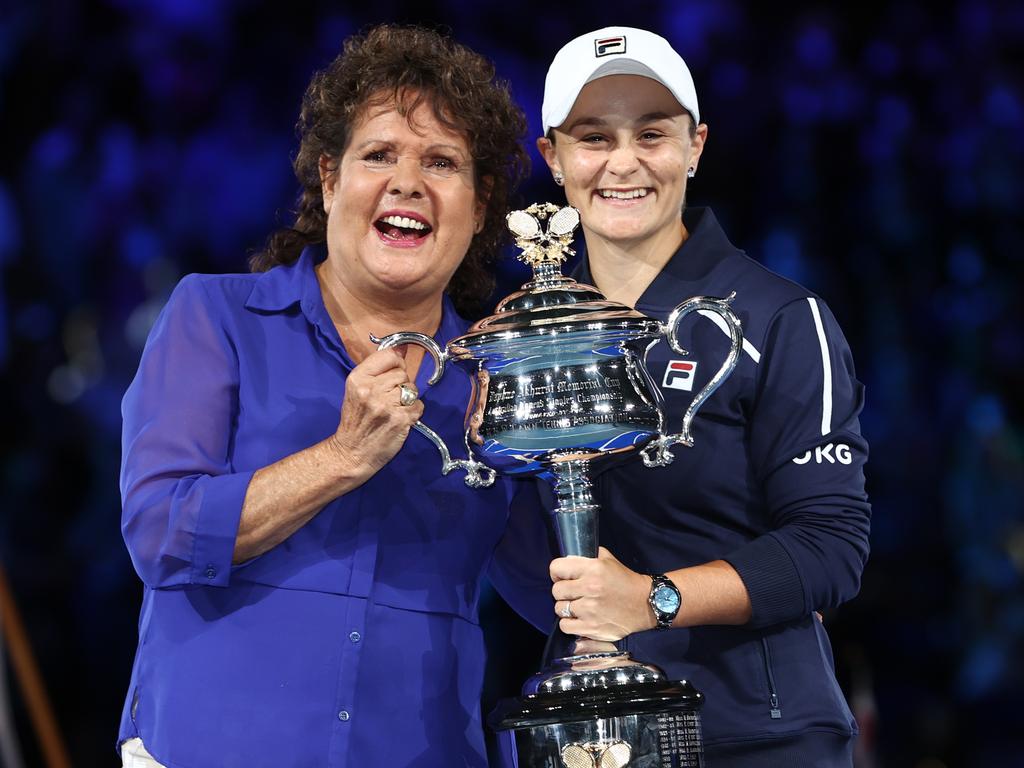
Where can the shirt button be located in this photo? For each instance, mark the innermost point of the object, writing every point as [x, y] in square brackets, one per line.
[344, 715]
[210, 571]
[354, 636]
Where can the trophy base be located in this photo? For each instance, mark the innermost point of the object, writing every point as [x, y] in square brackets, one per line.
[601, 709]
[642, 724]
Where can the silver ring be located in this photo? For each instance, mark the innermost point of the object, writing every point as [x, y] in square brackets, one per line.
[566, 612]
[407, 394]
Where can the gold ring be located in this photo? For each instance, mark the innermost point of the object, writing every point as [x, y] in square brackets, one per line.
[407, 394]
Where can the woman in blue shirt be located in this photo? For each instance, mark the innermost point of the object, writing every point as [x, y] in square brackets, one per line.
[311, 580]
[715, 567]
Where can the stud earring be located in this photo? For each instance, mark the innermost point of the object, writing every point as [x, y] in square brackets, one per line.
[691, 172]
[559, 178]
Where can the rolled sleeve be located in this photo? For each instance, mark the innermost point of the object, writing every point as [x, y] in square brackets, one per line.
[217, 526]
[772, 580]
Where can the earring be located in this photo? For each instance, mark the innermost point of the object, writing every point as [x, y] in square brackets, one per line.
[559, 178]
[691, 172]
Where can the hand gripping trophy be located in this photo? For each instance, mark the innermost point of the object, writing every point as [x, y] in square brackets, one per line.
[559, 381]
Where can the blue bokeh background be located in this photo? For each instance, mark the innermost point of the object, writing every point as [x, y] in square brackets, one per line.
[873, 152]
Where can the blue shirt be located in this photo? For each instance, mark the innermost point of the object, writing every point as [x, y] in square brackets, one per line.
[355, 641]
[774, 485]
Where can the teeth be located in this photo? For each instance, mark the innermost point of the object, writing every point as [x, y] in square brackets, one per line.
[404, 222]
[623, 195]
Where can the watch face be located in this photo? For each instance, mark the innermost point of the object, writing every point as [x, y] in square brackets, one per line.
[666, 599]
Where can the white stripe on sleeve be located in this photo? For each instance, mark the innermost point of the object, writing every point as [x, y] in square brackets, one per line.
[826, 364]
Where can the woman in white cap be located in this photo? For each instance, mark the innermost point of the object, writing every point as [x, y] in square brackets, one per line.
[715, 567]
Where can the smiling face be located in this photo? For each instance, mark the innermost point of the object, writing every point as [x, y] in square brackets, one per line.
[401, 205]
[624, 151]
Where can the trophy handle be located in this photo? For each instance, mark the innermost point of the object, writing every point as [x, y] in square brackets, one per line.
[420, 340]
[657, 453]
[477, 475]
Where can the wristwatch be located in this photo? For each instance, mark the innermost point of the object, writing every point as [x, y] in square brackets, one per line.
[664, 600]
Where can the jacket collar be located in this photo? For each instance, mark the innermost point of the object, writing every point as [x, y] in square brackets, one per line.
[705, 247]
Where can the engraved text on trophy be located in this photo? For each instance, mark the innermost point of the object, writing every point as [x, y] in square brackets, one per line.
[598, 401]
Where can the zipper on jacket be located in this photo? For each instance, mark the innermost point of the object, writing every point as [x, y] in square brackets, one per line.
[773, 696]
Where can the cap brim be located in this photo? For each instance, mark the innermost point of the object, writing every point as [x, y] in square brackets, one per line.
[620, 65]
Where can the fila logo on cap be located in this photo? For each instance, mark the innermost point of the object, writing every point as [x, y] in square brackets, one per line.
[679, 374]
[606, 46]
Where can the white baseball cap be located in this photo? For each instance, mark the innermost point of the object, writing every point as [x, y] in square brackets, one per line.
[613, 51]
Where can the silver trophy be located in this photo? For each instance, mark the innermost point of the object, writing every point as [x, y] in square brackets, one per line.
[559, 381]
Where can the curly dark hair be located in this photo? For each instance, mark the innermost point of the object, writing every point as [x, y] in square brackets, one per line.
[410, 65]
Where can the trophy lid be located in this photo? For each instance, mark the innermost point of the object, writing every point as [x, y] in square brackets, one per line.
[551, 298]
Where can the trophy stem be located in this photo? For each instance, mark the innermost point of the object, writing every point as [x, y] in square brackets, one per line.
[575, 516]
[546, 272]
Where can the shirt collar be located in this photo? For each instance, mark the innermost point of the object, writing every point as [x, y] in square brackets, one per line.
[706, 245]
[282, 287]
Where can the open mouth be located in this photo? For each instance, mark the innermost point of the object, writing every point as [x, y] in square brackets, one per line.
[623, 194]
[402, 228]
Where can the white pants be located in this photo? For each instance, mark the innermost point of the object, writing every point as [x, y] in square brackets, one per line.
[134, 755]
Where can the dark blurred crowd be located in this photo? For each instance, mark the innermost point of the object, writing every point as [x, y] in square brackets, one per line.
[874, 153]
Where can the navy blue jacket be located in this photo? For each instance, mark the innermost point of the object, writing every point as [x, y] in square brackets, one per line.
[774, 485]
